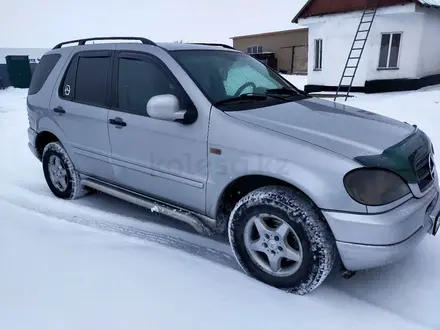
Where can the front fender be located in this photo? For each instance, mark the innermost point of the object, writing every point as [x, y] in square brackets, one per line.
[321, 182]
[250, 150]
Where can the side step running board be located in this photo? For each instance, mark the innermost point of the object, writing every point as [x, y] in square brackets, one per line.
[202, 224]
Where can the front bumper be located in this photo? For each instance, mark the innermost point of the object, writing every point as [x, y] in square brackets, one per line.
[368, 241]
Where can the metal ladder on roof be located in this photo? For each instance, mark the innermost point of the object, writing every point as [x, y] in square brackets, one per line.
[356, 51]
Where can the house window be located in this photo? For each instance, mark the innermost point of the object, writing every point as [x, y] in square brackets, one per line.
[255, 49]
[389, 50]
[318, 54]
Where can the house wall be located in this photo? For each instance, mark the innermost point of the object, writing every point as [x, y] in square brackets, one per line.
[274, 42]
[338, 31]
[410, 24]
[429, 62]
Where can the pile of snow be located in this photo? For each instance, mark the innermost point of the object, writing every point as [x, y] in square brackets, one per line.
[298, 80]
[100, 263]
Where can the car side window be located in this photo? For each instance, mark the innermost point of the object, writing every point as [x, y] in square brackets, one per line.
[42, 72]
[139, 79]
[86, 79]
[68, 84]
[91, 80]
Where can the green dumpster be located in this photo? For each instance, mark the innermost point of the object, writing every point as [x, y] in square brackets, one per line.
[19, 71]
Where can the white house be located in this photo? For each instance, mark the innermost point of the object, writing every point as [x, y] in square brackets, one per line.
[402, 51]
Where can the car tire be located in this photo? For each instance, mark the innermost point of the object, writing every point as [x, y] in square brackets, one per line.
[60, 174]
[279, 237]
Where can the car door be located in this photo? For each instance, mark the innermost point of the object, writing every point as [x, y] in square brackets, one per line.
[162, 159]
[80, 108]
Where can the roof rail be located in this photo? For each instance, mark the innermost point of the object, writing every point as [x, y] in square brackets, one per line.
[211, 44]
[83, 41]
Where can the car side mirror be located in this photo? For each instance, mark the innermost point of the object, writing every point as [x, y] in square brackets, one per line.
[165, 107]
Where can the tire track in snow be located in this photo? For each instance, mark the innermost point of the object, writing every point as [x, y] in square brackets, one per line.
[98, 222]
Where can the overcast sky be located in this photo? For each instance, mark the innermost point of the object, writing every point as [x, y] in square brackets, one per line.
[43, 23]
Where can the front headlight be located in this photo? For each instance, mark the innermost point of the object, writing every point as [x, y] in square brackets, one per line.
[375, 187]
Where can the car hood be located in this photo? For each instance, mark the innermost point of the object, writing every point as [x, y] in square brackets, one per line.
[348, 131]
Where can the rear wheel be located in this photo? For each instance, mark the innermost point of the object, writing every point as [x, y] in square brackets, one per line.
[60, 174]
[279, 237]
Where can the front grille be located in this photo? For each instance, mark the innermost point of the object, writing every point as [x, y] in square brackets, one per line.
[423, 167]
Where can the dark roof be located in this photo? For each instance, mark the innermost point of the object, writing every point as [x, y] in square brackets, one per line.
[324, 7]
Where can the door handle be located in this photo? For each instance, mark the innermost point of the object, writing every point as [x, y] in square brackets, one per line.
[118, 122]
[59, 110]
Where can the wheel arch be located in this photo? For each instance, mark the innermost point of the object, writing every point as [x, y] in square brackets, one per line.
[243, 185]
[42, 140]
[48, 131]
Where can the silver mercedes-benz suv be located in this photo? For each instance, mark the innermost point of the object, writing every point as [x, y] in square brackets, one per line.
[212, 137]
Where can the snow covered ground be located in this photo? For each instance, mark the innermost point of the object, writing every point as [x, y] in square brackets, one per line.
[100, 263]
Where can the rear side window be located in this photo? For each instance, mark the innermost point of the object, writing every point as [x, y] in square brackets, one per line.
[86, 79]
[91, 80]
[42, 72]
[67, 87]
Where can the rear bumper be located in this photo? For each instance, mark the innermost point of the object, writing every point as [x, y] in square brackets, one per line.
[32, 136]
[374, 240]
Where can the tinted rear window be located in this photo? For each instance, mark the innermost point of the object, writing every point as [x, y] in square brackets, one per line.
[91, 80]
[42, 71]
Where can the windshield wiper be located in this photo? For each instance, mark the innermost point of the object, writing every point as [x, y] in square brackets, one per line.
[251, 97]
[242, 97]
[282, 91]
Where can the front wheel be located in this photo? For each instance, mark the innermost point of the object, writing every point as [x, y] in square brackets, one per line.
[279, 237]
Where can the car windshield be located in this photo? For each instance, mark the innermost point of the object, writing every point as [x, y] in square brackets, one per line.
[226, 75]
